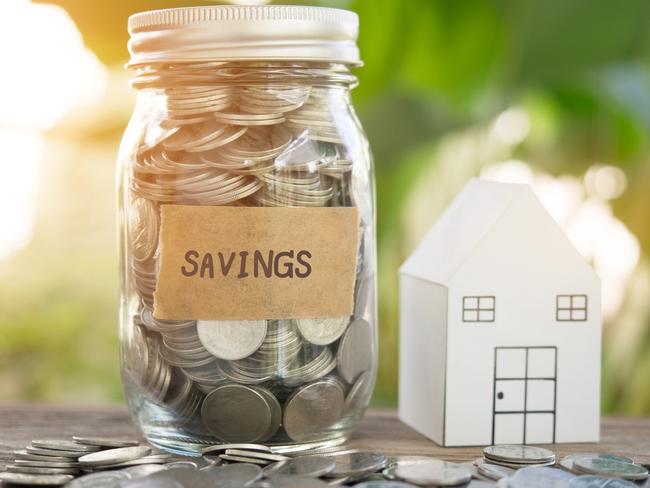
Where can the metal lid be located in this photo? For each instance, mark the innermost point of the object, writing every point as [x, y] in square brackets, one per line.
[234, 32]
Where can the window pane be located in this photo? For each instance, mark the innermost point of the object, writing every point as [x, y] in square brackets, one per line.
[564, 314]
[578, 315]
[470, 303]
[579, 301]
[486, 303]
[486, 316]
[563, 301]
[470, 316]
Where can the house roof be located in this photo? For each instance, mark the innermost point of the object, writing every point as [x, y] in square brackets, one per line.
[460, 229]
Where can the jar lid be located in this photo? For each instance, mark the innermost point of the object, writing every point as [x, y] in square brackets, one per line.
[237, 32]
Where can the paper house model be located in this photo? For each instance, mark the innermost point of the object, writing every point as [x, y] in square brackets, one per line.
[500, 326]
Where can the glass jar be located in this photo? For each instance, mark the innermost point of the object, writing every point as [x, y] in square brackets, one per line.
[246, 195]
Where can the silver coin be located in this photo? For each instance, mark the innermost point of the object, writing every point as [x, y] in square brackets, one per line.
[143, 228]
[313, 409]
[323, 331]
[257, 455]
[53, 452]
[567, 461]
[181, 465]
[46, 464]
[233, 474]
[307, 466]
[104, 479]
[357, 464]
[518, 453]
[512, 465]
[588, 481]
[384, 484]
[231, 339]
[173, 478]
[23, 454]
[609, 467]
[243, 459]
[114, 456]
[355, 350]
[140, 470]
[35, 479]
[295, 482]
[151, 459]
[494, 471]
[63, 445]
[358, 394]
[241, 446]
[432, 472]
[13, 468]
[237, 413]
[540, 478]
[105, 441]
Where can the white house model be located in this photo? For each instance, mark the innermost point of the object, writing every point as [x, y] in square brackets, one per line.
[500, 326]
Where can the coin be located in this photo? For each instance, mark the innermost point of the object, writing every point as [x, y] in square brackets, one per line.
[141, 470]
[151, 459]
[359, 392]
[12, 468]
[567, 461]
[233, 474]
[172, 478]
[357, 464]
[244, 459]
[609, 467]
[313, 409]
[323, 331]
[35, 479]
[114, 456]
[432, 472]
[23, 454]
[231, 339]
[518, 453]
[258, 455]
[104, 479]
[384, 484]
[237, 413]
[308, 466]
[63, 445]
[494, 472]
[355, 350]
[534, 477]
[588, 481]
[46, 464]
[105, 441]
[53, 452]
[239, 446]
[295, 482]
[513, 465]
[143, 228]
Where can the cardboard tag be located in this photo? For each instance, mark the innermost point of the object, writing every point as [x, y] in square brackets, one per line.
[250, 263]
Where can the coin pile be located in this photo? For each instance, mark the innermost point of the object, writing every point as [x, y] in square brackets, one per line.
[249, 135]
[83, 462]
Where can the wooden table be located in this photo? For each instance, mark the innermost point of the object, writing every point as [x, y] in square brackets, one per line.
[379, 431]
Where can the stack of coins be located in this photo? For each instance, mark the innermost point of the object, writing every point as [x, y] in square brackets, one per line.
[518, 456]
[241, 134]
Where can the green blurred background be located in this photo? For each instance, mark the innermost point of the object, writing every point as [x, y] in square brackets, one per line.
[553, 93]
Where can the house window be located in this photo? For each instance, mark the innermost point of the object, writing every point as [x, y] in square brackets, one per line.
[478, 309]
[571, 308]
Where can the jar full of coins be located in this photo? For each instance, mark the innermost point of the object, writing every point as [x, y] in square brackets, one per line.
[247, 228]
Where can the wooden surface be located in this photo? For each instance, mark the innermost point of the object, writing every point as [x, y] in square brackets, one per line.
[379, 431]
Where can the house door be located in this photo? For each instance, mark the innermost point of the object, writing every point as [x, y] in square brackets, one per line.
[525, 381]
